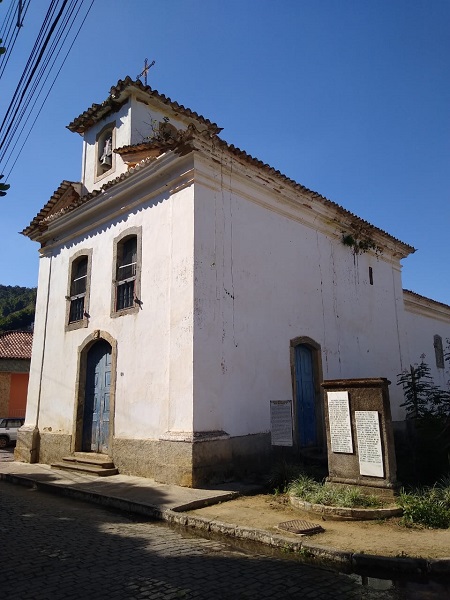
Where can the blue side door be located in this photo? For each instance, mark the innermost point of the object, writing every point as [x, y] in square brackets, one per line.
[96, 401]
[305, 400]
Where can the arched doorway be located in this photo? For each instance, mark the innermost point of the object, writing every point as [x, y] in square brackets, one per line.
[96, 413]
[306, 380]
[305, 397]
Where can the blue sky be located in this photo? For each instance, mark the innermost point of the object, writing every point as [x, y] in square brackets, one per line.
[348, 97]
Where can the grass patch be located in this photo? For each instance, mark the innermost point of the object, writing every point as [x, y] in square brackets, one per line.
[309, 490]
[427, 507]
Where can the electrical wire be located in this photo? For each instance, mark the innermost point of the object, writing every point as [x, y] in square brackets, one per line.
[40, 79]
[14, 99]
[11, 41]
[37, 54]
[4, 33]
[33, 70]
[46, 96]
[55, 33]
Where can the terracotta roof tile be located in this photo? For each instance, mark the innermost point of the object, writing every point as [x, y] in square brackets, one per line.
[117, 97]
[16, 344]
[365, 225]
[420, 297]
[71, 189]
[361, 223]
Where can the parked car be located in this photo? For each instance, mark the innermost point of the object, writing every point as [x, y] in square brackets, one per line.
[8, 430]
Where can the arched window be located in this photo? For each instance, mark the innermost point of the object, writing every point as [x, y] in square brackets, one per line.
[126, 281]
[104, 150]
[78, 293]
[126, 272]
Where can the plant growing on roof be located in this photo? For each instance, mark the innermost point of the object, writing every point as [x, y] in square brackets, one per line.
[360, 243]
[161, 131]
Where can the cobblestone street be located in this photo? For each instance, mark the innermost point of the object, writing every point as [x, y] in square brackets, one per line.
[57, 548]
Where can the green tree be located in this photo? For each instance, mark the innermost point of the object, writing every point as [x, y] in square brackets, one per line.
[17, 307]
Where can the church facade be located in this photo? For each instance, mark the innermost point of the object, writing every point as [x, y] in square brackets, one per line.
[184, 285]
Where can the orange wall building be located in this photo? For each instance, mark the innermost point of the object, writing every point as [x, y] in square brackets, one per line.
[15, 356]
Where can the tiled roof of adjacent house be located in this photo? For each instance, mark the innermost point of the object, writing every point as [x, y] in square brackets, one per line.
[419, 297]
[116, 98]
[16, 344]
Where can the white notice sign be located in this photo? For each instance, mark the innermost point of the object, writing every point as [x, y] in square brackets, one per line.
[281, 422]
[369, 443]
[339, 421]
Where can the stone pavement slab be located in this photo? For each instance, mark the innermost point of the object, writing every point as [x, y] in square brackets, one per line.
[129, 489]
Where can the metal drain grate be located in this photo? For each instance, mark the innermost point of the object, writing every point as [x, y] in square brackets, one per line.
[298, 526]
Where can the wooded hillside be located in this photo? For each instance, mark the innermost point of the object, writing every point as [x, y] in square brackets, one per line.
[17, 306]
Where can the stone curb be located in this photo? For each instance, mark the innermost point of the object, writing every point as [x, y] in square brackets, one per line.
[392, 564]
[306, 549]
[346, 514]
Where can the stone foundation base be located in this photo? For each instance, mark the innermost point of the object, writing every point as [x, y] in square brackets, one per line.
[45, 447]
[162, 461]
[54, 446]
[192, 461]
[186, 459]
[27, 445]
[384, 489]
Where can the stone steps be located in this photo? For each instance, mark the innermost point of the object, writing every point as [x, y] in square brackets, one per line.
[87, 462]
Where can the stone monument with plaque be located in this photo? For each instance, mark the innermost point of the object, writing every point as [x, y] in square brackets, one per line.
[359, 432]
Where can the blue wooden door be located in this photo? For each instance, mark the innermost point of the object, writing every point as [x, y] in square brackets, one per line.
[305, 400]
[96, 401]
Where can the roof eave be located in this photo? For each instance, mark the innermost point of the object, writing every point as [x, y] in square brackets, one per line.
[119, 94]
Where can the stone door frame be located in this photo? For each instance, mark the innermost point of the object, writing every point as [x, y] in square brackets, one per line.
[83, 349]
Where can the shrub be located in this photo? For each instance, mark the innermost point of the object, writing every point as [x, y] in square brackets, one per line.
[429, 507]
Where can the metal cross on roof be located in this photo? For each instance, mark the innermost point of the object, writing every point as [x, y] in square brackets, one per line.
[147, 68]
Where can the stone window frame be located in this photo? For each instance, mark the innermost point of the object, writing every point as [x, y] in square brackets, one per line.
[70, 326]
[100, 139]
[118, 240]
[439, 351]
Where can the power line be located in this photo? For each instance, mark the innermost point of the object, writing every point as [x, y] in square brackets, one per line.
[54, 34]
[11, 39]
[45, 98]
[40, 80]
[30, 77]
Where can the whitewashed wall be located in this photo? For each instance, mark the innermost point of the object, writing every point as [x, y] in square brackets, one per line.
[262, 278]
[211, 346]
[425, 319]
[133, 122]
[154, 346]
[144, 119]
[122, 123]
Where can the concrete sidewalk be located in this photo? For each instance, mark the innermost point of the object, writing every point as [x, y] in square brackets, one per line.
[146, 497]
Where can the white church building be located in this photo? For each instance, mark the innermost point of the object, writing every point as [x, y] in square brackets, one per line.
[184, 285]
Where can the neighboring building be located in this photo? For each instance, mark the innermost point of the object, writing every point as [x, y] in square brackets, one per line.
[183, 285]
[15, 356]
